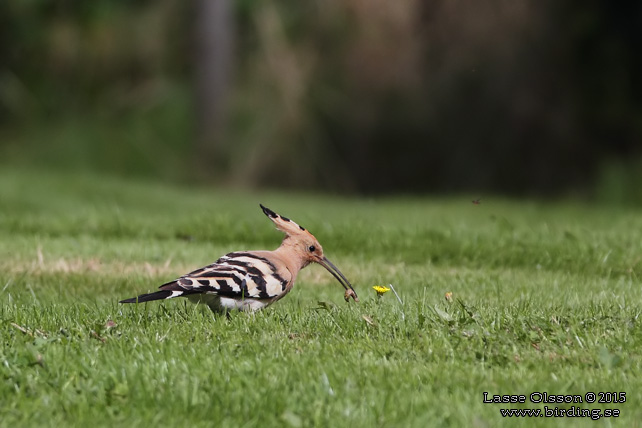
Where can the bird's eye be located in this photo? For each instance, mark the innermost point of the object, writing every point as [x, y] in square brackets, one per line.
[312, 248]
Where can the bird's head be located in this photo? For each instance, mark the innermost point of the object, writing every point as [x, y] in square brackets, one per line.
[301, 244]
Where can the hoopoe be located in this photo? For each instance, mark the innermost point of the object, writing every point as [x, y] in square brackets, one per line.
[252, 280]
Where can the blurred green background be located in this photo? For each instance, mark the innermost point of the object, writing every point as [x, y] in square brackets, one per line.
[522, 97]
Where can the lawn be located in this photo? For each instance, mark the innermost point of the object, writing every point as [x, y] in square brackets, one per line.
[545, 298]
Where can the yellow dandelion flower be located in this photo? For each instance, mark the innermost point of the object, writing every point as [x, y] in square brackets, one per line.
[449, 296]
[380, 290]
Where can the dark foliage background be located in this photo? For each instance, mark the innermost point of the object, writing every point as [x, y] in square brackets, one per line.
[518, 97]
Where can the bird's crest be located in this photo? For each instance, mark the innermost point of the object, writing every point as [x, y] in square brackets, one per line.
[284, 224]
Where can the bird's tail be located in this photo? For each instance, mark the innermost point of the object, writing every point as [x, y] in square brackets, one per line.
[158, 295]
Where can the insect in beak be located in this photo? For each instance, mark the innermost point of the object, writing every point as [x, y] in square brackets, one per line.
[340, 277]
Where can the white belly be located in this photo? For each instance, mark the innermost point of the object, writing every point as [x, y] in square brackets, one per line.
[242, 305]
[223, 304]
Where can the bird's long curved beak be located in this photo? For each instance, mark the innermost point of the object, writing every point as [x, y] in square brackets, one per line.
[340, 277]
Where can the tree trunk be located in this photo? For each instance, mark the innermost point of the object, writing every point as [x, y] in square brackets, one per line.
[213, 65]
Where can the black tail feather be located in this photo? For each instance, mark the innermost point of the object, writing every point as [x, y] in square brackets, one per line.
[158, 295]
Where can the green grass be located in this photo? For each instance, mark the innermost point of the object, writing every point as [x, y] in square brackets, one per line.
[547, 299]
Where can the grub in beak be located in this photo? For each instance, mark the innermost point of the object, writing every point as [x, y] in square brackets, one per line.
[340, 277]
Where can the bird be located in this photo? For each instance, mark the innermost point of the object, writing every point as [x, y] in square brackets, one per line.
[252, 280]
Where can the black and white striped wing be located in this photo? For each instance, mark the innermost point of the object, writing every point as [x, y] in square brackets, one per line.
[236, 275]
